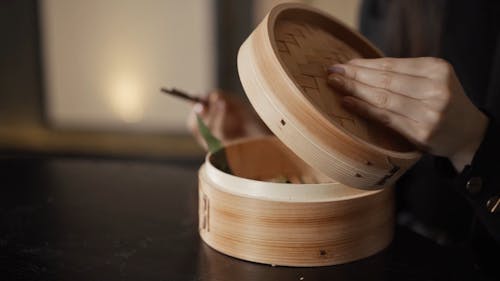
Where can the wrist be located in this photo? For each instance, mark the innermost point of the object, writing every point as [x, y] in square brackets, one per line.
[464, 156]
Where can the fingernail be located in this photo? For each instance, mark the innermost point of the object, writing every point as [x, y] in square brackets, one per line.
[336, 80]
[198, 108]
[336, 69]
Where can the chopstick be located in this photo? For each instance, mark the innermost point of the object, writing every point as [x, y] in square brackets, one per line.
[183, 95]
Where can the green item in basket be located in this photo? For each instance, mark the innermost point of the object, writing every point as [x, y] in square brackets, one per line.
[213, 143]
[214, 146]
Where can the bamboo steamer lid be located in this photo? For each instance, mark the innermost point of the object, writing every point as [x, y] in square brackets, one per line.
[282, 67]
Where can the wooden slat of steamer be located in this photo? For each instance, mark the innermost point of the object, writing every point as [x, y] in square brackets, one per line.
[315, 52]
[311, 53]
[257, 85]
[276, 79]
[265, 108]
[295, 234]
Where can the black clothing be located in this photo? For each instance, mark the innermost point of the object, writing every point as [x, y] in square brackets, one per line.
[432, 193]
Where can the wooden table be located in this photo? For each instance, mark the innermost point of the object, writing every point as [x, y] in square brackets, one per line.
[80, 218]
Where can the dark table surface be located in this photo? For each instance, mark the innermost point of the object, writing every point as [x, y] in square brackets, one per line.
[74, 218]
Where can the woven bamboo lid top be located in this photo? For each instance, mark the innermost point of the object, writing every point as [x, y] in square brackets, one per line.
[307, 43]
[283, 69]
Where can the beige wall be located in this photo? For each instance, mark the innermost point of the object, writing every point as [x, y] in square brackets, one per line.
[345, 10]
[105, 61]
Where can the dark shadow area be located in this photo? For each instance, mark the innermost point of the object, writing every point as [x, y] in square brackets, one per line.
[87, 219]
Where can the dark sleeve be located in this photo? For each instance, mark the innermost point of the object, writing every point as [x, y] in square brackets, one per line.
[479, 182]
[372, 21]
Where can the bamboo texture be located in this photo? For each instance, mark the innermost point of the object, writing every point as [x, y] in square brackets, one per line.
[282, 67]
[318, 224]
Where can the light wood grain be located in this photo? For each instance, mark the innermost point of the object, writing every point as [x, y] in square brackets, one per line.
[288, 224]
[279, 162]
[282, 66]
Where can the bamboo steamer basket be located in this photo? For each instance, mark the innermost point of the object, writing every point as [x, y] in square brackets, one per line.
[323, 223]
[282, 67]
[343, 209]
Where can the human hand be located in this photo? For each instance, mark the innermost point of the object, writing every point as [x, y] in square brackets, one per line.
[227, 117]
[421, 98]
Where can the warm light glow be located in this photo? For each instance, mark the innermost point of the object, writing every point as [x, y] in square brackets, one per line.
[105, 61]
[126, 97]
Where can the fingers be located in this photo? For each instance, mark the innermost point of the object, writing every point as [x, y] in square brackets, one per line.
[224, 115]
[407, 85]
[421, 98]
[192, 125]
[424, 67]
[402, 105]
[212, 110]
[211, 113]
[218, 117]
[405, 126]
[227, 122]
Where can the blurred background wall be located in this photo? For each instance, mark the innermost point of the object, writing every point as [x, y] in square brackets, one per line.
[83, 76]
[105, 61]
[344, 10]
